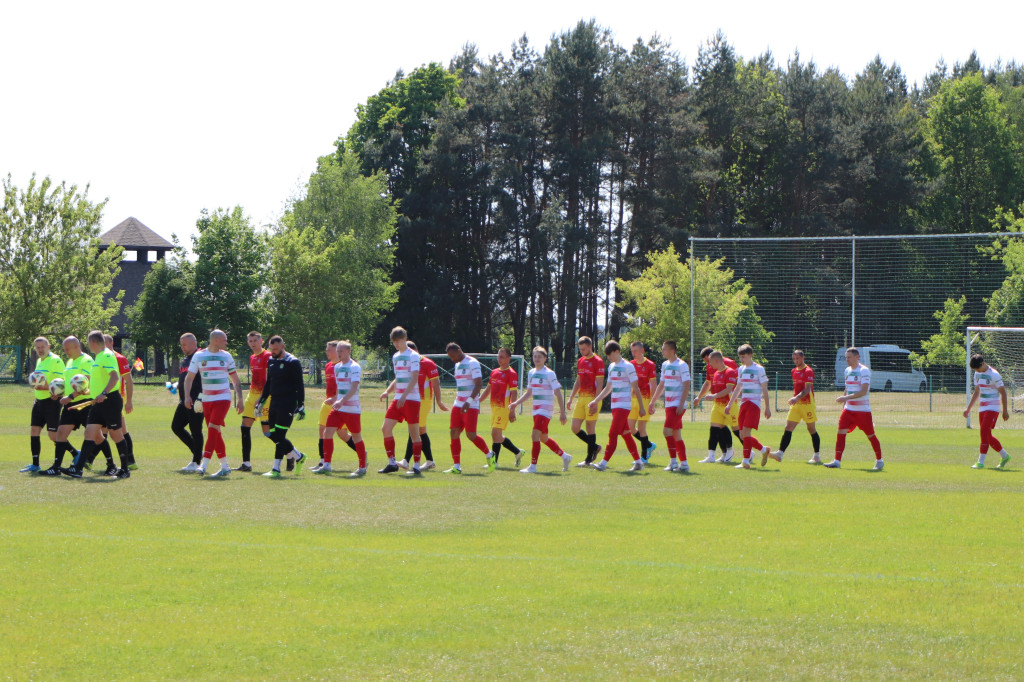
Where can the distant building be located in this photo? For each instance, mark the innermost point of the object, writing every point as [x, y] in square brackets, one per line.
[142, 248]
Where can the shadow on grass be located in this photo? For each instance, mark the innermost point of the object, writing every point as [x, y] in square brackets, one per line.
[100, 479]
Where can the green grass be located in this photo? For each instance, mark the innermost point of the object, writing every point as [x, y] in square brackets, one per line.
[788, 572]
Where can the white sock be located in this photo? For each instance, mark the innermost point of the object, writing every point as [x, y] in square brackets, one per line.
[711, 454]
[392, 460]
[746, 460]
[1004, 453]
[224, 465]
[730, 452]
[981, 458]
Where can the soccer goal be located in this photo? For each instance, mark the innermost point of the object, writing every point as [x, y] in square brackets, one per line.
[1003, 348]
[488, 363]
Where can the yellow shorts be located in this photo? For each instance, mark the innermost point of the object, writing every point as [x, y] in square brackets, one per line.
[580, 409]
[634, 411]
[499, 417]
[718, 415]
[251, 399]
[426, 403]
[803, 412]
[325, 412]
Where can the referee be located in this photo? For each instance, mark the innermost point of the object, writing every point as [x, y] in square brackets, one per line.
[286, 391]
[183, 416]
[46, 408]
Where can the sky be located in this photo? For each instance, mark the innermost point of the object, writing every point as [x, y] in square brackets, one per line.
[165, 109]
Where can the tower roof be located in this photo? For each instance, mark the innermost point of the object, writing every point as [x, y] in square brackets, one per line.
[131, 233]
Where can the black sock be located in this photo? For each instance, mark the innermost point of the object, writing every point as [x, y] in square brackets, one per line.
[321, 449]
[246, 443]
[591, 441]
[122, 453]
[714, 438]
[84, 455]
[37, 447]
[58, 452]
[725, 437]
[107, 452]
[582, 435]
[408, 448]
[131, 448]
[351, 443]
[425, 448]
[786, 437]
[644, 441]
[736, 432]
[509, 445]
[495, 449]
[816, 442]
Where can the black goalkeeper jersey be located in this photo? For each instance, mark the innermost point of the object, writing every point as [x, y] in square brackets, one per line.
[285, 385]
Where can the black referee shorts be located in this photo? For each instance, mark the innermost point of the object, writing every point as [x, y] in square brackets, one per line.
[108, 413]
[280, 416]
[74, 418]
[46, 412]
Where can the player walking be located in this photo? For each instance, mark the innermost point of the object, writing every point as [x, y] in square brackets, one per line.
[430, 393]
[124, 367]
[257, 380]
[46, 407]
[589, 382]
[988, 387]
[623, 387]
[406, 405]
[105, 412]
[184, 416]
[646, 377]
[71, 417]
[502, 389]
[217, 369]
[542, 385]
[285, 391]
[801, 408]
[346, 410]
[675, 385]
[466, 409]
[723, 426]
[331, 386]
[750, 391]
[856, 412]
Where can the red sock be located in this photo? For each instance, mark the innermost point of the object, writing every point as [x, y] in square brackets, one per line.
[389, 447]
[328, 449]
[747, 447]
[681, 450]
[535, 453]
[840, 446]
[755, 444]
[609, 449]
[671, 443]
[875, 445]
[361, 453]
[482, 444]
[417, 450]
[457, 450]
[219, 446]
[550, 442]
[631, 446]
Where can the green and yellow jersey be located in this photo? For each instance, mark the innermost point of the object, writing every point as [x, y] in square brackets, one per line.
[53, 367]
[104, 365]
[80, 365]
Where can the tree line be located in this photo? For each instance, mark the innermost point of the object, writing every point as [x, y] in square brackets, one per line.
[531, 185]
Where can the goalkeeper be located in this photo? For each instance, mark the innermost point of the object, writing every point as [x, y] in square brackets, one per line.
[285, 390]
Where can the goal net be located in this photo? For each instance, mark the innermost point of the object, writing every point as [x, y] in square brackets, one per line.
[488, 363]
[1003, 349]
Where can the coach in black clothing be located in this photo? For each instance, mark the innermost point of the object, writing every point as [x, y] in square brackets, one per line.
[287, 393]
[182, 415]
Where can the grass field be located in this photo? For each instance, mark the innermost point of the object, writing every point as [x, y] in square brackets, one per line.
[792, 571]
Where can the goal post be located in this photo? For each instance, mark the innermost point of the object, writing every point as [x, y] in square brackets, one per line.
[488, 363]
[1003, 348]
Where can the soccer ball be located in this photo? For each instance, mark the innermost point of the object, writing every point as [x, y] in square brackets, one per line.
[198, 404]
[79, 384]
[37, 380]
[57, 387]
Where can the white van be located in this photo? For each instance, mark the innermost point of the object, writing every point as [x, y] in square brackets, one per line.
[891, 369]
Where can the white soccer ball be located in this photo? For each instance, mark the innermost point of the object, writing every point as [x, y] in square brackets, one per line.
[79, 383]
[57, 387]
[198, 404]
[37, 380]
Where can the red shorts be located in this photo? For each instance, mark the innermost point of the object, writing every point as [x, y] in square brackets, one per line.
[464, 420]
[851, 421]
[540, 423]
[750, 416]
[620, 425]
[215, 412]
[674, 417]
[410, 413]
[344, 420]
